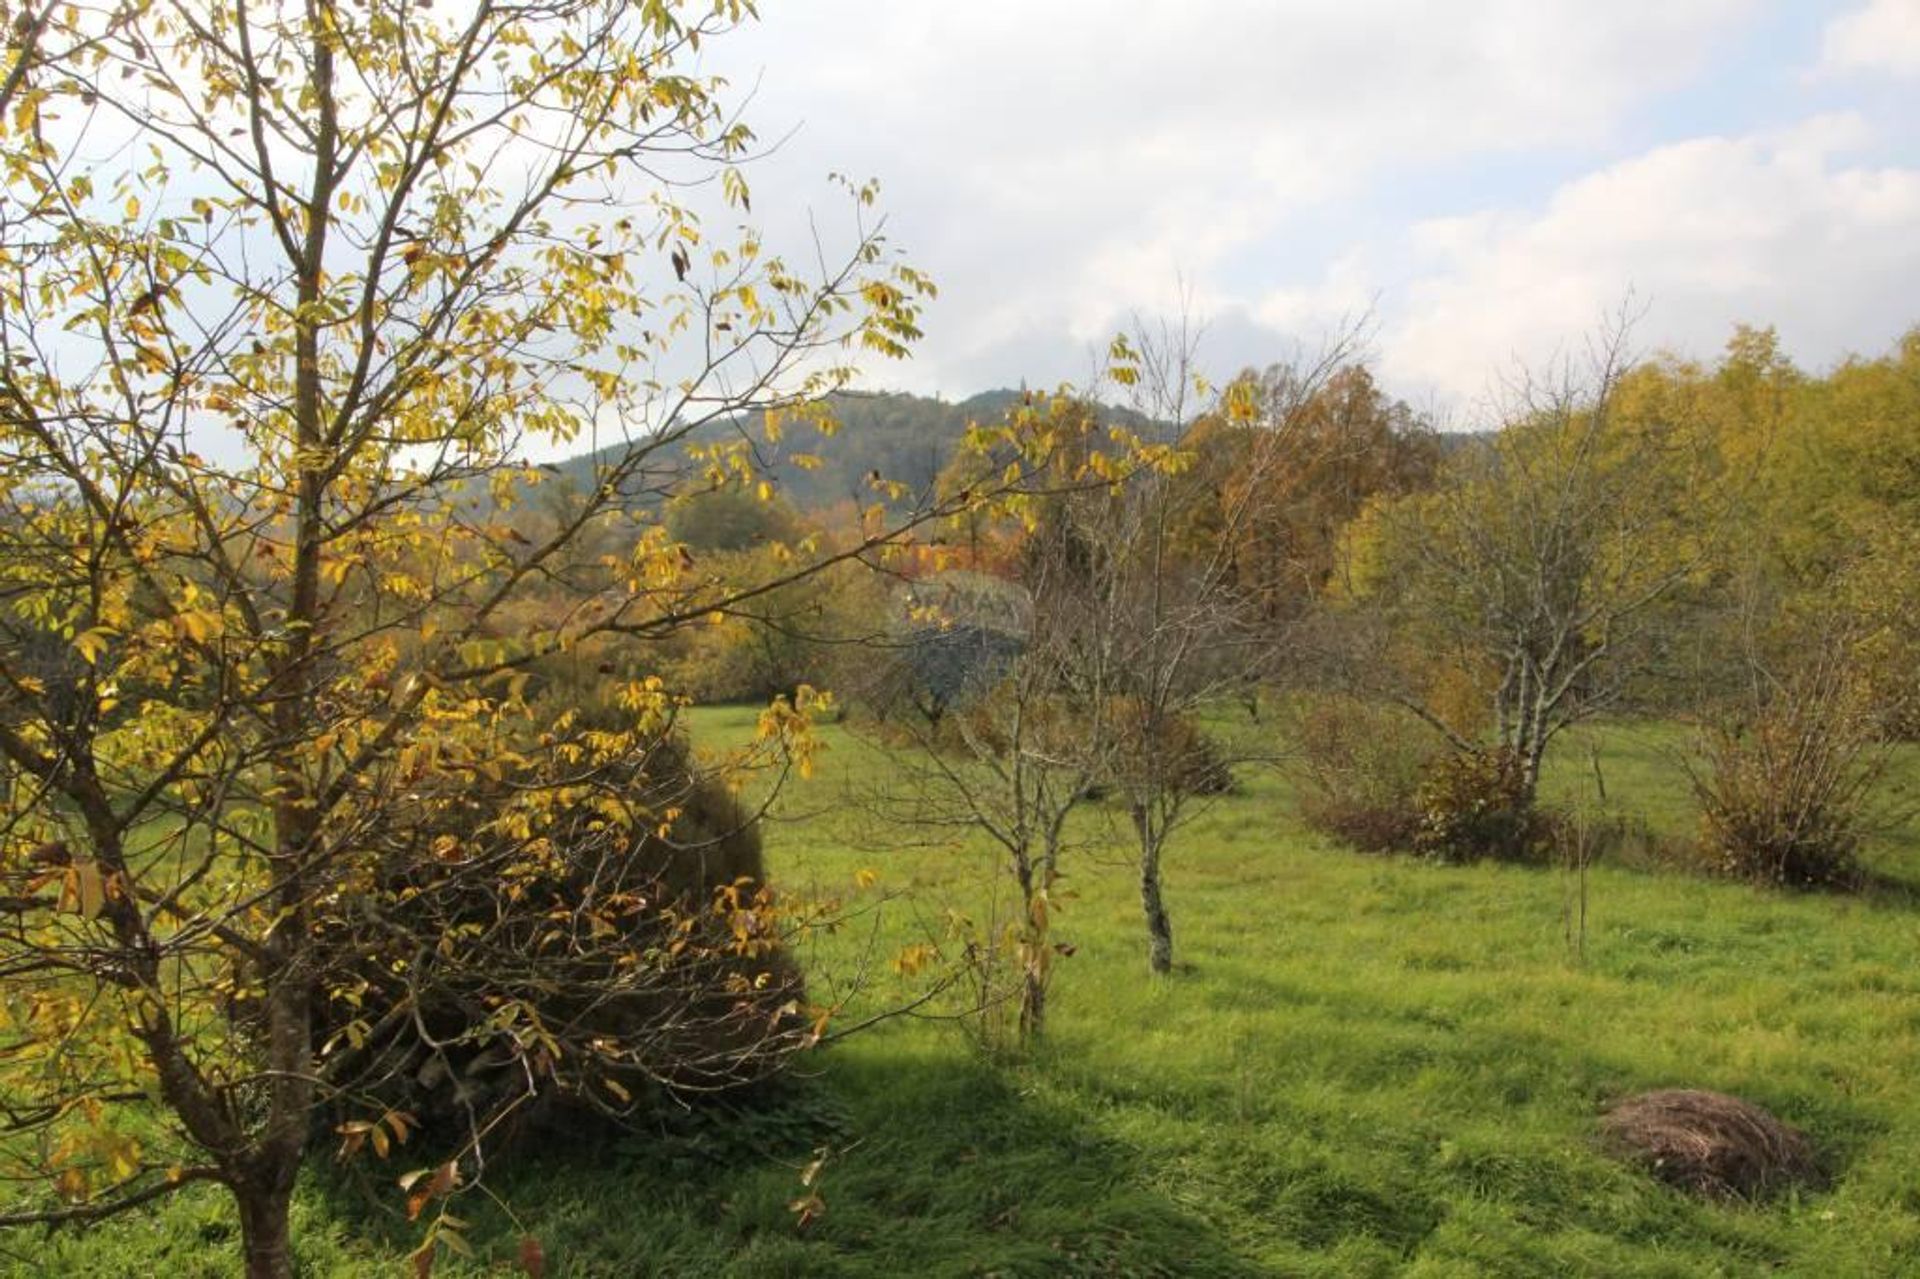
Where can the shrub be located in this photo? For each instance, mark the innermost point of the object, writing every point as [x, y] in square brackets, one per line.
[1477, 804]
[573, 941]
[1784, 791]
[1204, 768]
[1357, 767]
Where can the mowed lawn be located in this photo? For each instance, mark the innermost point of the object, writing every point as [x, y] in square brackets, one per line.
[1363, 1066]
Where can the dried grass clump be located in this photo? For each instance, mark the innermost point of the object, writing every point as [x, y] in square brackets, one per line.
[1709, 1143]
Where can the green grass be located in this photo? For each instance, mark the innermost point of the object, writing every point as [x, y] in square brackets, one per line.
[1363, 1066]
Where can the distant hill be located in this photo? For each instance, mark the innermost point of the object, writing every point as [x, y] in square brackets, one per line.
[908, 438]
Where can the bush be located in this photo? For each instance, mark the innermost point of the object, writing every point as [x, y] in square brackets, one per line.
[1784, 791]
[1357, 767]
[574, 940]
[1477, 804]
[1204, 768]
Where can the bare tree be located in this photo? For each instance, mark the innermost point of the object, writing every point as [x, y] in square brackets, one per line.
[1540, 569]
[1021, 743]
[1183, 622]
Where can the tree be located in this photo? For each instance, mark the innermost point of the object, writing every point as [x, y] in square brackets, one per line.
[1537, 570]
[1880, 591]
[1312, 445]
[1186, 573]
[1014, 697]
[731, 518]
[1145, 605]
[1821, 529]
[286, 292]
[784, 639]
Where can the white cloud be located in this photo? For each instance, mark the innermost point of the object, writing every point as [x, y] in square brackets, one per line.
[1057, 166]
[1346, 292]
[1882, 36]
[1789, 228]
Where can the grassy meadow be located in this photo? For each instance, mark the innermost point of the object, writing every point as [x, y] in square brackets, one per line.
[1363, 1066]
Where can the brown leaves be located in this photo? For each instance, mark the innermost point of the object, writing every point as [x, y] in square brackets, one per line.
[83, 889]
[807, 1209]
[811, 1206]
[389, 1130]
[427, 1184]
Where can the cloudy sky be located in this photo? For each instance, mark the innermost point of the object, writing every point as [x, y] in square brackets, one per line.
[1486, 177]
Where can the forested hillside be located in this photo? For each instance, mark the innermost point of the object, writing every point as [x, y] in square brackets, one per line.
[908, 439]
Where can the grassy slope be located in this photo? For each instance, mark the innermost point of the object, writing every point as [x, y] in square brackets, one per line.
[1366, 1066]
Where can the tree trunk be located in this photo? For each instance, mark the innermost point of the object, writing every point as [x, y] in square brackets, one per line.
[1530, 771]
[1154, 906]
[1033, 1004]
[265, 1236]
[1033, 959]
[1159, 927]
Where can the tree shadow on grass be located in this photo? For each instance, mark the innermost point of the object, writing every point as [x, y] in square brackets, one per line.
[931, 1167]
[1892, 890]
